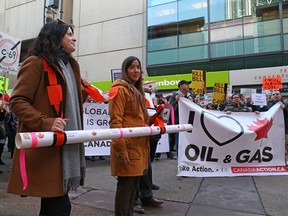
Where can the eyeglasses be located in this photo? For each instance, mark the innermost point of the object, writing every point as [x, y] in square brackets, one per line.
[235, 97]
[275, 94]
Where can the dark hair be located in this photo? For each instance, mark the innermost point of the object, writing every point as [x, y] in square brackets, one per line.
[140, 94]
[125, 65]
[168, 98]
[235, 94]
[48, 42]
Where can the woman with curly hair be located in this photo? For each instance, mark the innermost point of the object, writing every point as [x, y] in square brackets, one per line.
[48, 97]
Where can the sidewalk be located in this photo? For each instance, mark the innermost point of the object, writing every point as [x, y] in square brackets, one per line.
[239, 196]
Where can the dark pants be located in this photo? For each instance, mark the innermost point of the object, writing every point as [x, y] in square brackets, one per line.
[1, 149]
[125, 195]
[52, 206]
[144, 191]
[174, 141]
[153, 147]
[11, 143]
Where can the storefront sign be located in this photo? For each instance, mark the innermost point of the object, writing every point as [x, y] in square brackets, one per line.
[255, 76]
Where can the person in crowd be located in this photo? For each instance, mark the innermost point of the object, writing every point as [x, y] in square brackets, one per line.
[10, 124]
[144, 195]
[129, 156]
[236, 105]
[48, 71]
[228, 101]
[153, 140]
[250, 104]
[168, 98]
[3, 110]
[158, 99]
[269, 97]
[242, 98]
[197, 100]
[171, 136]
[209, 106]
[157, 156]
[277, 97]
[183, 91]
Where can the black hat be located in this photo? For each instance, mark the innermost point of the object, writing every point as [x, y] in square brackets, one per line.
[183, 82]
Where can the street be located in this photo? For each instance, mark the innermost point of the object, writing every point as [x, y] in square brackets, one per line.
[241, 196]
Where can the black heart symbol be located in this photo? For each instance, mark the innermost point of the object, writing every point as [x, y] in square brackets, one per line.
[219, 117]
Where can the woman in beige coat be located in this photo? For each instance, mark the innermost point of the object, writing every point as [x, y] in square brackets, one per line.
[51, 171]
[129, 156]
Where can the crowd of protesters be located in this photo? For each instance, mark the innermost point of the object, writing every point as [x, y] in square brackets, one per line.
[236, 102]
[33, 102]
[8, 127]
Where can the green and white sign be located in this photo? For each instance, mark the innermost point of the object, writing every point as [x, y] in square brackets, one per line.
[170, 82]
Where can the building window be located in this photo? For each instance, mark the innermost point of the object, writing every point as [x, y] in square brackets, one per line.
[211, 29]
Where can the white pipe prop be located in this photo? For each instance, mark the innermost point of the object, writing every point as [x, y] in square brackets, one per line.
[42, 139]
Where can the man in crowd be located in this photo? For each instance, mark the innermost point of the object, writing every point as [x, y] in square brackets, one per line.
[183, 91]
[277, 97]
[236, 105]
[250, 104]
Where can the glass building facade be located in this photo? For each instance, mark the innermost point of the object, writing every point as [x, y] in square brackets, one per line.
[215, 35]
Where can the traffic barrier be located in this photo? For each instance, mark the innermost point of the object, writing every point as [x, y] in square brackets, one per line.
[42, 139]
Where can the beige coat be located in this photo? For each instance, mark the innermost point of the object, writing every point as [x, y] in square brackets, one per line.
[30, 103]
[123, 114]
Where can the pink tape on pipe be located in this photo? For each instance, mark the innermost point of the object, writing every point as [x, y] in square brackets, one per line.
[151, 131]
[22, 161]
[121, 133]
[34, 140]
[23, 169]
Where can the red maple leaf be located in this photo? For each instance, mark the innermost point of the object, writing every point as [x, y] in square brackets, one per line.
[261, 128]
[40, 135]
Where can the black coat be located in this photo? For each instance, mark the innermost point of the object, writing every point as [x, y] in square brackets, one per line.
[285, 112]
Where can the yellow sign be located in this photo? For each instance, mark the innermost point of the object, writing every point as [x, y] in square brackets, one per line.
[219, 93]
[198, 82]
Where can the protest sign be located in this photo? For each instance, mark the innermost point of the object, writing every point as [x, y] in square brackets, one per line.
[219, 93]
[271, 83]
[198, 82]
[239, 144]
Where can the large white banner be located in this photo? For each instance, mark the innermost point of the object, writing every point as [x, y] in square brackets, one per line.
[239, 144]
[96, 116]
